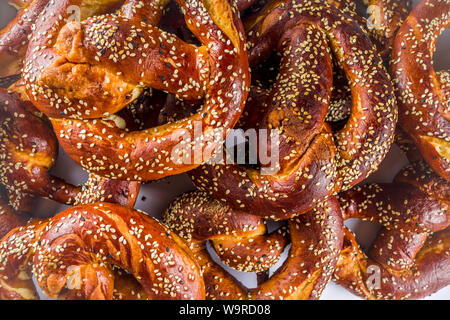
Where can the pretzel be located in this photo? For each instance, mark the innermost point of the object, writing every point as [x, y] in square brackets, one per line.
[422, 93]
[84, 242]
[315, 163]
[218, 71]
[411, 254]
[29, 150]
[316, 240]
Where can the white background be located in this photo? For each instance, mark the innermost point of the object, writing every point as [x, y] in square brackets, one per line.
[154, 197]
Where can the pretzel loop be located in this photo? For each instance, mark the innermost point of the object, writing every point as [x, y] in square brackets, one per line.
[316, 239]
[314, 162]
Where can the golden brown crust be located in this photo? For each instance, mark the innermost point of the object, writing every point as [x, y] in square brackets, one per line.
[84, 242]
[16, 252]
[423, 103]
[28, 150]
[316, 239]
[429, 273]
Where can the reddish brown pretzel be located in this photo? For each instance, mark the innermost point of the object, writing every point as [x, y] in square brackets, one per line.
[9, 219]
[84, 242]
[384, 19]
[316, 240]
[29, 150]
[314, 162]
[422, 93]
[217, 71]
[14, 37]
[402, 263]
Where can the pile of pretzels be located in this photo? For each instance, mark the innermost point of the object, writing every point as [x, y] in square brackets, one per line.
[123, 88]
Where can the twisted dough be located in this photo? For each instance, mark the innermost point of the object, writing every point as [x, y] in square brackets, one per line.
[14, 37]
[9, 218]
[72, 255]
[148, 57]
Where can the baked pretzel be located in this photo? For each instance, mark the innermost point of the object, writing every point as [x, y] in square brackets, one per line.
[28, 150]
[410, 258]
[71, 256]
[316, 240]
[314, 162]
[422, 93]
[216, 71]
[383, 20]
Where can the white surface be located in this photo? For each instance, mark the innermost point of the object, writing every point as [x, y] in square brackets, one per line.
[154, 197]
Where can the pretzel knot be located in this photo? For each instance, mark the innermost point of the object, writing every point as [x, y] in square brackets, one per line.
[314, 162]
[9, 218]
[29, 149]
[72, 256]
[316, 240]
[410, 257]
[79, 73]
[423, 94]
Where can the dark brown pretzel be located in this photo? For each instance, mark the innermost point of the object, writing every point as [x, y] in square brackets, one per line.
[239, 239]
[29, 149]
[404, 263]
[314, 162]
[316, 240]
[422, 93]
[84, 242]
[217, 71]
